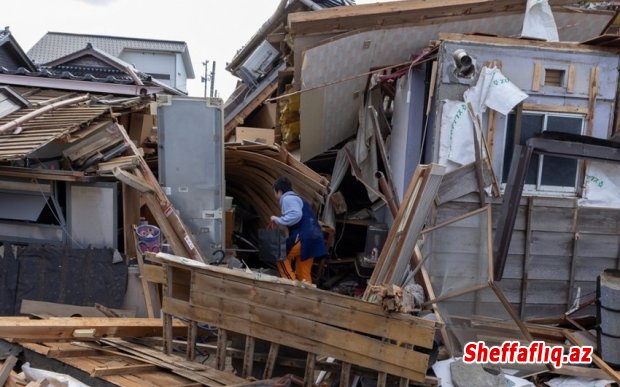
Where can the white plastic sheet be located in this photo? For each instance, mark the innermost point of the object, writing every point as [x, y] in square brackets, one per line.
[495, 91]
[456, 139]
[602, 184]
[539, 22]
[55, 379]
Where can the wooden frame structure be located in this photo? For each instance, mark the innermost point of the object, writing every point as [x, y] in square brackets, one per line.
[283, 312]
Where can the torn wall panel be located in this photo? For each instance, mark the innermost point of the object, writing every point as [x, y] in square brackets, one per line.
[323, 64]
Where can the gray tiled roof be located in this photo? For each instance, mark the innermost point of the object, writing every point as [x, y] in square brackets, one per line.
[55, 45]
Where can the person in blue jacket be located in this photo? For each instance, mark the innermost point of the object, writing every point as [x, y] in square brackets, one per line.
[305, 237]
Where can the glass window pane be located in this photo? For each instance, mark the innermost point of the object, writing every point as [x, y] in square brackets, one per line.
[558, 171]
[565, 124]
[531, 124]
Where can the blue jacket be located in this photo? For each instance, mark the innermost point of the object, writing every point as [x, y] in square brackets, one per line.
[302, 226]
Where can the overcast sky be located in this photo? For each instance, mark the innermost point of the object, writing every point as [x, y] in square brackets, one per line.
[213, 29]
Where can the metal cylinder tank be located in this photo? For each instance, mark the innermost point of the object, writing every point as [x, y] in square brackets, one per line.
[609, 315]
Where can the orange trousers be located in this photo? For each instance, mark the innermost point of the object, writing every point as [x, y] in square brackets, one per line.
[303, 269]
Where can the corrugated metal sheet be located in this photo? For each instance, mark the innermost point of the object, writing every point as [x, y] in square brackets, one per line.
[48, 127]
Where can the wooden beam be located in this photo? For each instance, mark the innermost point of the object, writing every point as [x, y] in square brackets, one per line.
[592, 94]
[132, 180]
[271, 360]
[411, 12]
[46, 174]
[248, 358]
[122, 370]
[555, 108]
[62, 328]
[345, 374]
[513, 42]
[537, 76]
[222, 344]
[309, 373]
[191, 340]
[570, 84]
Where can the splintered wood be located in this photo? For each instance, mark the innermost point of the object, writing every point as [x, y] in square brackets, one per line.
[312, 320]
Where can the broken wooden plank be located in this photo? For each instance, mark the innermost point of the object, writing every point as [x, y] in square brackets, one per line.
[122, 370]
[63, 328]
[132, 180]
[6, 369]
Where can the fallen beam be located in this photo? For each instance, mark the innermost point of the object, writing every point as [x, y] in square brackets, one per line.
[84, 328]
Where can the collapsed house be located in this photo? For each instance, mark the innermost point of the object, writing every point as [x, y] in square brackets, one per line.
[418, 114]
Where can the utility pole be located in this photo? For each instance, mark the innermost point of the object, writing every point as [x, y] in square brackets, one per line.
[206, 77]
[212, 94]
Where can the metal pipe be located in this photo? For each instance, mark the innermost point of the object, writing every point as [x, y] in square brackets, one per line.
[18, 121]
[387, 192]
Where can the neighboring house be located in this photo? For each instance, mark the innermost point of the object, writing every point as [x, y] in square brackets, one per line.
[167, 62]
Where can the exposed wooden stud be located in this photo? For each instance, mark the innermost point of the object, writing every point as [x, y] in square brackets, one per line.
[167, 318]
[536, 76]
[592, 94]
[491, 133]
[192, 332]
[222, 344]
[345, 374]
[309, 374]
[248, 358]
[570, 84]
[381, 379]
[271, 360]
